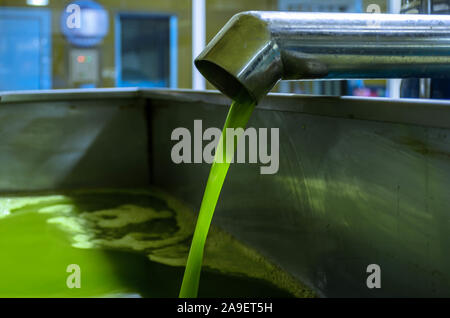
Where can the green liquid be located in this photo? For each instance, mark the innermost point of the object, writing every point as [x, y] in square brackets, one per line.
[238, 116]
[127, 243]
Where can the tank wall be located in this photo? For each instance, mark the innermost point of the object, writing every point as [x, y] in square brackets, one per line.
[348, 193]
[77, 144]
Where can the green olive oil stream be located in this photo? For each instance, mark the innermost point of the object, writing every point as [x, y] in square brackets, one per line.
[237, 117]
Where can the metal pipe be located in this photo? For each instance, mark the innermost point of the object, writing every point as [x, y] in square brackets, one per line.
[425, 83]
[198, 39]
[256, 49]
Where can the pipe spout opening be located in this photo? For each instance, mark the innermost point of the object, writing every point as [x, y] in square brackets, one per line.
[224, 81]
[242, 60]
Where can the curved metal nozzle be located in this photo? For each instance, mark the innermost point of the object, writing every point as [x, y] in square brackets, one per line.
[254, 50]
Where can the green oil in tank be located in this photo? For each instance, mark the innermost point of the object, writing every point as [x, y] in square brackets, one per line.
[127, 243]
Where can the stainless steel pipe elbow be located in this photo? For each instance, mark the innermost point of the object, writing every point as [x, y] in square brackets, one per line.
[256, 49]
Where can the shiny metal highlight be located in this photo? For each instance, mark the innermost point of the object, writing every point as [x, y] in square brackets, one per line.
[254, 50]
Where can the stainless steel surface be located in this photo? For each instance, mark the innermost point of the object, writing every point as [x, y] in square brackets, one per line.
[425, 88]
[361, 181]
[349, 192]
[427, 5]
[254, 50]
[425, 83]
[407, 111]
[72, 141]
[67, 95]
[423, 7]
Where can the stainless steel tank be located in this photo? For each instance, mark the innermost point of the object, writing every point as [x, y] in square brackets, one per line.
[361, 180]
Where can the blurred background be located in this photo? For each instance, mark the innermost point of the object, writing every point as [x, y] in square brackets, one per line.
[143, 43]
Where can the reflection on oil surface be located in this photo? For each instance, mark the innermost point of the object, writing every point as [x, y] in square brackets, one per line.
[127, 243]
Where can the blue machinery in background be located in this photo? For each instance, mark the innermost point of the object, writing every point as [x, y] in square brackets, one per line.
[25, 49]
[130, 73]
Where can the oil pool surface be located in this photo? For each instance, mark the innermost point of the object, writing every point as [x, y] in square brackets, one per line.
[126, 243]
